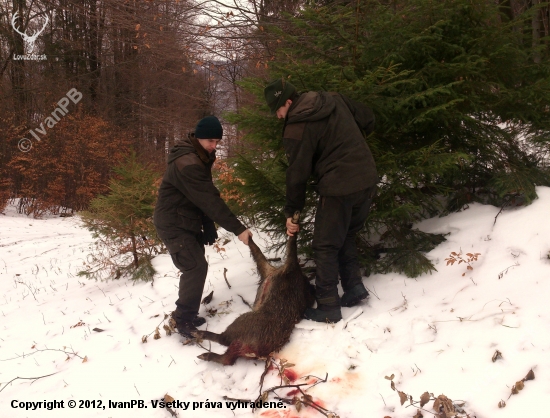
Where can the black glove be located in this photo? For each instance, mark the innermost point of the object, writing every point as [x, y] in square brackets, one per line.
[210, 235]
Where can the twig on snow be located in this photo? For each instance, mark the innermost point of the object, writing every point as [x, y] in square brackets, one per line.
[27, 378]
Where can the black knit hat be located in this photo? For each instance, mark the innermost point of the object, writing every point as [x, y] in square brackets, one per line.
[209, 128]
[277, 93]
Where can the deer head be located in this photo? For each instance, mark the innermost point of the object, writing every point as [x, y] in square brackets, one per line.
[28, 39]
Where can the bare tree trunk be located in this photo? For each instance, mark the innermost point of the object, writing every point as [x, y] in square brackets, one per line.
[20, 98]
[93, 52]
[134, 250]
[506, 9]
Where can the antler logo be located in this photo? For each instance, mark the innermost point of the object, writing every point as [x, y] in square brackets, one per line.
[28, 39]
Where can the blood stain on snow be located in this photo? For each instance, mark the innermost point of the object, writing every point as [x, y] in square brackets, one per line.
[293, 392]
[291, 374]
[278, 414]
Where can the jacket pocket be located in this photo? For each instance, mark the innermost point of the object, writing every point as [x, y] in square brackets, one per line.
[189, 220]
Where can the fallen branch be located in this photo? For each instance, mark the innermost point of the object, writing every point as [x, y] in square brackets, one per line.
[305, 399]
[44, 349]
[28, 287]
[225, 277]
[245, 302]
[27, 378]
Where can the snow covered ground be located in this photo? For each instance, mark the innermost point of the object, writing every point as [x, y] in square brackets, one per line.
[438, 333]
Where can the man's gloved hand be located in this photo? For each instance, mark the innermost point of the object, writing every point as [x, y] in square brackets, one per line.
[210, 235]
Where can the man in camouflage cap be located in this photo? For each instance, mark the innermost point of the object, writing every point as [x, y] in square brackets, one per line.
[324, 137]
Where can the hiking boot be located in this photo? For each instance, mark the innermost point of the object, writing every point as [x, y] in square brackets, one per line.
[354, 295]
[321, 315]
[198, 321]
[186, 329]
[184, 326]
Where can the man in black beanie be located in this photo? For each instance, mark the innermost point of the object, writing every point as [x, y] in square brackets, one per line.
[188, 205]
[323, 138]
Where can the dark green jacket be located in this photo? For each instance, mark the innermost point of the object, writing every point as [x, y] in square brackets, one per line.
[323, 138]
[188, 199]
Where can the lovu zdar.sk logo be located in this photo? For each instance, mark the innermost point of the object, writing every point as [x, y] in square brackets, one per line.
[29, 40]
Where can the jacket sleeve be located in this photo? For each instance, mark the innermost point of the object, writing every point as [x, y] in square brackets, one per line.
[194, 181]
[363, 115]
[300, 152]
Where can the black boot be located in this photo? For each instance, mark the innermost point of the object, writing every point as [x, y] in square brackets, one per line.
[354, 295]
[320, 315]
[198, 321]
[328, 310]
[186, 329]
[184, 325]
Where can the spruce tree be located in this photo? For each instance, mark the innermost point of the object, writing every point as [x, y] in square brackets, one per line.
[121, 221]
[461, 106]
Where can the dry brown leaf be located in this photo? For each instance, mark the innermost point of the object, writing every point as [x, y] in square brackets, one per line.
[519, 385]
[501, 404]
[85, 359]
[444, 405]
[402, 397]
[207, 299]
[298, 405]
[418, 414]
[389, 377]
[144, 339]
[168, 398]
[424, 399]
[530, 375]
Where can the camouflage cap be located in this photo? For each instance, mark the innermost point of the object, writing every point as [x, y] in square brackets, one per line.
[277, 93]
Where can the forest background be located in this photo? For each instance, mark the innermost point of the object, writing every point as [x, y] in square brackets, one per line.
[95, 92]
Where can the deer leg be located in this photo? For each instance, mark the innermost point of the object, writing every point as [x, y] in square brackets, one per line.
[264, 268]
[210, 336]
[227, 359]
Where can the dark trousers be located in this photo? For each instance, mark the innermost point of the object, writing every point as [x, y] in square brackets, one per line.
[337, 221]
[193, 267]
